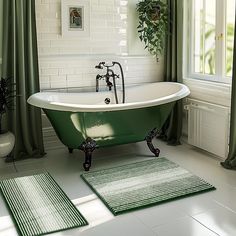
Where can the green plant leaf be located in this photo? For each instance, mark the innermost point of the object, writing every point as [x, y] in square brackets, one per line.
[153, 24]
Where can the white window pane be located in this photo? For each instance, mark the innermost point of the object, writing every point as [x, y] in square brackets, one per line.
[204, 36]
[198, 36]
[209, 35]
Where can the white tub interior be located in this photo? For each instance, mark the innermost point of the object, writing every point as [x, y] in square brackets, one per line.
[136, 97]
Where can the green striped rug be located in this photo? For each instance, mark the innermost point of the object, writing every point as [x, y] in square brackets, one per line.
[143, 184]
[39, 206]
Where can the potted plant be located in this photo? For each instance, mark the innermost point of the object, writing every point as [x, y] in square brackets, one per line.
[7, 139]
[153, 25]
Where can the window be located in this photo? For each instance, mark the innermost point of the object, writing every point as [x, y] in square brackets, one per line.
[211, 37]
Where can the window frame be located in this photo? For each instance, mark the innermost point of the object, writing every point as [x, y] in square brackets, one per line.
[220, 45]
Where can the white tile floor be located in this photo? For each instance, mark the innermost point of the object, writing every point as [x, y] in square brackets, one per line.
[207, 214]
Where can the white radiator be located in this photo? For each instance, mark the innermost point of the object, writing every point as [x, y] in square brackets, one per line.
[208, 127]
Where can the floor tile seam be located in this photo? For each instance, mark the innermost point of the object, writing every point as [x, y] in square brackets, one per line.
[7, 168]
[29, 165]
[147, 226]
[219, 183]
[205, 226]
[164, 223]
[200, 212]
[168, 223]
[224, 206]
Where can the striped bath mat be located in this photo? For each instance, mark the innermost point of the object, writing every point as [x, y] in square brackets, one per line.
[143, 184]
[39, 206]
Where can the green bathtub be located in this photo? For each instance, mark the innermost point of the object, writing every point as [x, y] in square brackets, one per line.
[88, 124]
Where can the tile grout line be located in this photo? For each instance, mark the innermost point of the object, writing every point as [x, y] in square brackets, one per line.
[225, 207]
[148, 227]
[204, 225]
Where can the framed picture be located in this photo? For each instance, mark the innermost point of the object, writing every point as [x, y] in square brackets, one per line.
[75, 17]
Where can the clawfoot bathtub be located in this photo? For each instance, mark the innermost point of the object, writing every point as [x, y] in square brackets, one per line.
[85, 121]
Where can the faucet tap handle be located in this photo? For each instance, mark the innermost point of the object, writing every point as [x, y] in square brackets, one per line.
[109, 85]
[98, 77]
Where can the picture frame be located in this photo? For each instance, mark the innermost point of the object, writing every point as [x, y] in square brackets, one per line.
[75, 18]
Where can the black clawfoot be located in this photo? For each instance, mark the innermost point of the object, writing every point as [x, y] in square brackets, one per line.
[88, 146]
[151, 135]
[70, 150]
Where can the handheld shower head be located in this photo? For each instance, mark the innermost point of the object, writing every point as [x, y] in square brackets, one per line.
[100, 65]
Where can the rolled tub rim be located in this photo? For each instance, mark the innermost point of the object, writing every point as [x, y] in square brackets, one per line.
[36, 100]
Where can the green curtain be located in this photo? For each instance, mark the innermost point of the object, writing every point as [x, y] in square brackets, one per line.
[172, 129]
[1, 17]
[230, 162]
[20, 62]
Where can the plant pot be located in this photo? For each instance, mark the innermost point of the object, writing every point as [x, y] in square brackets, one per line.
[7, 142]
[155, 13]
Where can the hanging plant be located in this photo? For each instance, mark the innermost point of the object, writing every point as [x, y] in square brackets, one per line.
[153, 25]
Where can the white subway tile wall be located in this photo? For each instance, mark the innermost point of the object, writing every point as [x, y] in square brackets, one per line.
[78, 72]
[67, 62]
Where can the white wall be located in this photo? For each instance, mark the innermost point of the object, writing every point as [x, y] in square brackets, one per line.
[69, 61]
[135, 46]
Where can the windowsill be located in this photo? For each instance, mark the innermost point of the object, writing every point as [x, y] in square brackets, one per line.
[209, 91]
[207, 82]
